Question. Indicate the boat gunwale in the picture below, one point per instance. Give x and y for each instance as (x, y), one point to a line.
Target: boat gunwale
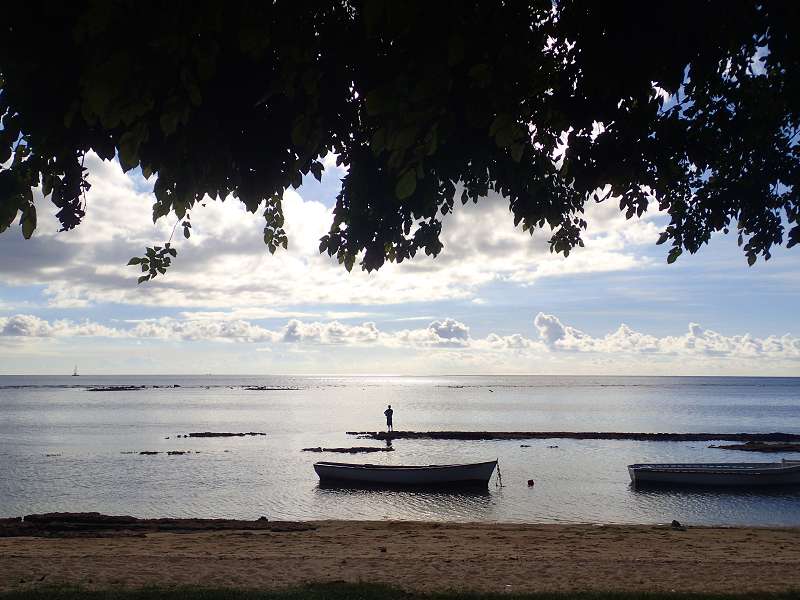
(716, 468)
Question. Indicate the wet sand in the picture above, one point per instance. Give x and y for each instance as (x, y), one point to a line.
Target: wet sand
(414, 556)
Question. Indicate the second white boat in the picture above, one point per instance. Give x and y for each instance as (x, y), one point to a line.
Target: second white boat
(786, 472)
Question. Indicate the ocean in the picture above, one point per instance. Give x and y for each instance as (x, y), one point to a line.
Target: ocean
(66, 448)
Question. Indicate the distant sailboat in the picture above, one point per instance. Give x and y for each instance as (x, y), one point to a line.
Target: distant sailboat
(75, 372)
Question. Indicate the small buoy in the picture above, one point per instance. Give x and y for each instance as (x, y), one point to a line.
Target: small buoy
(530, 482)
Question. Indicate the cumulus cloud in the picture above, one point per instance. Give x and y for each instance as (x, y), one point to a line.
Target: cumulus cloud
(194, 330)
(443, 334)
(697, 341)
(515, 341)
(329, 333)
(443, 345)
(32, 326)
(554, 337)
(225, 257)
(450, 329)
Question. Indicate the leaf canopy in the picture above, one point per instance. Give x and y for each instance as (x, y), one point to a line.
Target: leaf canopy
(690, 107)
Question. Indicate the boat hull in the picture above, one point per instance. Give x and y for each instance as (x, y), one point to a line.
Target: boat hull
(716, 474)
(468, 475)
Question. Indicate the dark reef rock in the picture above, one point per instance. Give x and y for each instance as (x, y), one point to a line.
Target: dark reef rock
(86, 518)
(676, 525)
(758, 446)
(267, 388)
(353, 450)
(116, 388)
(97, 524)
(576, 435)
(129, 388)
(209, 434)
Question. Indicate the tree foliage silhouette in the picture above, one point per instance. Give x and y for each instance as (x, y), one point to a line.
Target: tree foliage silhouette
(690, 107)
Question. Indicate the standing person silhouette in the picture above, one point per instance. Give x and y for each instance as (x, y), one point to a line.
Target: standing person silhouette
(389, 412)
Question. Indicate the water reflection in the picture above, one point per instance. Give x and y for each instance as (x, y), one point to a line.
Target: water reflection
(409, 503)
(715, 491)
(66, 449)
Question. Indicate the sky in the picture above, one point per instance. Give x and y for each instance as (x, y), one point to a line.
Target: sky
(495, 301)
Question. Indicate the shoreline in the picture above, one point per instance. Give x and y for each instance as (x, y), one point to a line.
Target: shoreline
(114, 552)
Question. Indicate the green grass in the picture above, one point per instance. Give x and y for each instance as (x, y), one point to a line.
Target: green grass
(347, 592)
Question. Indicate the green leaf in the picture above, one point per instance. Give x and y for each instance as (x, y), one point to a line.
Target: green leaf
(406, 185)
(405, 138)
(135, 261)
(376, 102)
(28, 221)
(316, 169)
(129, 147)
(432, 141)
(142, 279)
(455, 50)
(300, 131)
(47, 184)
(169, 122)
(674, 254)
(378, 142)
(194, 93)
(296, 182)
(662, 238)
(482, 74)
(506, 136)
(501, 121)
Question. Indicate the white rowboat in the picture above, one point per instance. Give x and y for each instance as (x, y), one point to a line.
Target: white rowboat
(786, 472)
(476, 474)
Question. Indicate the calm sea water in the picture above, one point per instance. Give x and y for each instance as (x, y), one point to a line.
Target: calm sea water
(64, 448)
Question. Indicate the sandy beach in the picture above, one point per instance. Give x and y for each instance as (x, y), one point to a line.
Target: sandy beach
(415, 556)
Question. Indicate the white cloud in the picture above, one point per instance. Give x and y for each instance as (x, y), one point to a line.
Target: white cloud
(447, 333)
(225, 257)
(329, 333)
(203, 329)
(697, 341)
(553, 336)
(444, 344)
(32, 326)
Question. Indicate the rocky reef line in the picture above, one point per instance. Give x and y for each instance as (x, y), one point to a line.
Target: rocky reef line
(576, 435)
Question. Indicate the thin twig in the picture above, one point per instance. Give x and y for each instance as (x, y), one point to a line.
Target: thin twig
(174, 227)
